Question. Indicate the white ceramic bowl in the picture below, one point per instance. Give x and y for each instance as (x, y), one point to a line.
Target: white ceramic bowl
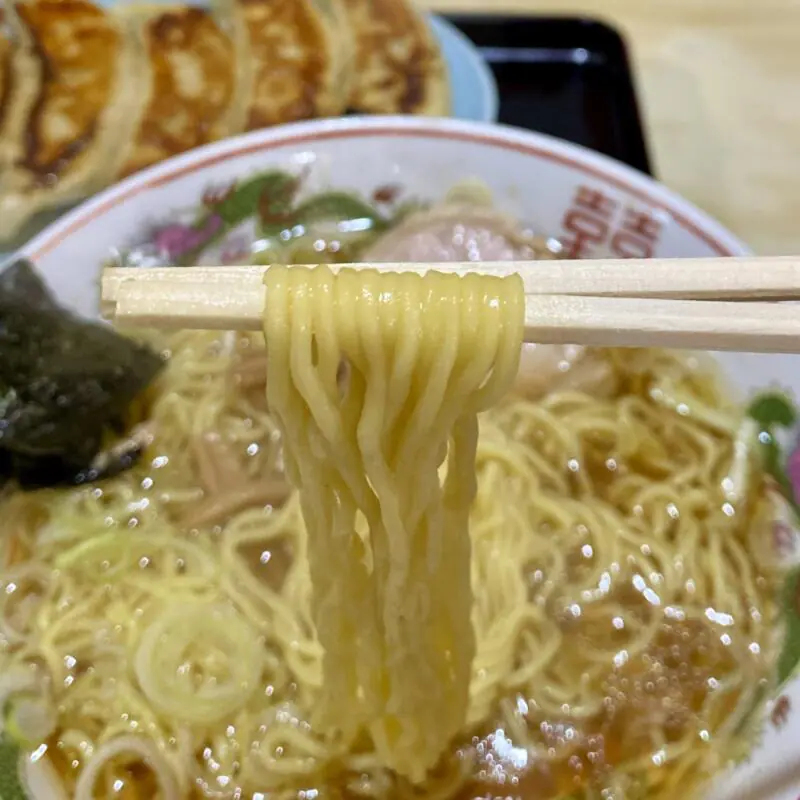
(594, 205)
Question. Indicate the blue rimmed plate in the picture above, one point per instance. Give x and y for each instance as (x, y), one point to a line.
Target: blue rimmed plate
(472, 84)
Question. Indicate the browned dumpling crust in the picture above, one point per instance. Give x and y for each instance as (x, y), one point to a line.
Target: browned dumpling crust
(69, 111)
(399, 68)
(297, 60)
(5, 69)
(78, 47)
(193, 74)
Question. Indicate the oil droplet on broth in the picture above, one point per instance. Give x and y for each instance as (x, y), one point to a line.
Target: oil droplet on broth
(651, 699)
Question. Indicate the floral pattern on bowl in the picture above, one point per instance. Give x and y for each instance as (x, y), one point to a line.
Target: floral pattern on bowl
(258, 218)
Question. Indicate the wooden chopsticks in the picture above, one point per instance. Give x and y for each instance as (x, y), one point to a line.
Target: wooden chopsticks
(717, 304)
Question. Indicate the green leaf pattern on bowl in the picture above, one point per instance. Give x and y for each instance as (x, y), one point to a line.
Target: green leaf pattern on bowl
(776, 416)
(256, 219)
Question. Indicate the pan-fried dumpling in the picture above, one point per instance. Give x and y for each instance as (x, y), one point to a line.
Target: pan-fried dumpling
(6, 54)
(194, 81)
(399, 68)
(63, 139)
(299, 58)
(336, 18)
(19, 86)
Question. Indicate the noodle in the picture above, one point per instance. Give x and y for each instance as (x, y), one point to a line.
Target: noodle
(391, 604)
(616, 638)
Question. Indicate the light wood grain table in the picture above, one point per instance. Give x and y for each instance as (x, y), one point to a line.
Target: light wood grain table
(719, 82)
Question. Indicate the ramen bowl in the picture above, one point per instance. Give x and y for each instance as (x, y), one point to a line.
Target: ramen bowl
(212, 205)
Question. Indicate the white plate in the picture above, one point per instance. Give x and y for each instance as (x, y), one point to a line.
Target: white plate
(591, 203)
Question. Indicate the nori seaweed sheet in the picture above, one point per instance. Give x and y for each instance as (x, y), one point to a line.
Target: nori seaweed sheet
(65, 383)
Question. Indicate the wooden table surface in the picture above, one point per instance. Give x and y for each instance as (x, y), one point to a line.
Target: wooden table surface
(719, 82)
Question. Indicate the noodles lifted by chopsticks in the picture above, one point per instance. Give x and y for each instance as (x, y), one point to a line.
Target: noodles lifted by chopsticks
(376, 380)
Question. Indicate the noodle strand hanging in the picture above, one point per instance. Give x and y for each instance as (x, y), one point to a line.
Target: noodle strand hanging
(377, 380)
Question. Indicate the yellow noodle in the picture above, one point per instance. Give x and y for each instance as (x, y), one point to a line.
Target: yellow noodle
(423, 356)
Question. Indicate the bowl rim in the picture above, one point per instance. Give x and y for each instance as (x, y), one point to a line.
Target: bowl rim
(572, 156)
